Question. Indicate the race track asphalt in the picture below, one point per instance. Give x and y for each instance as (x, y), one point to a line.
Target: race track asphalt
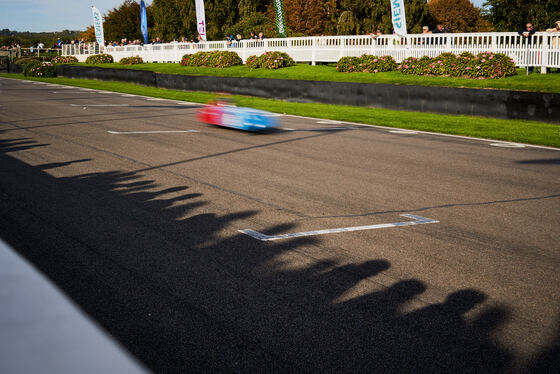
(141, 230)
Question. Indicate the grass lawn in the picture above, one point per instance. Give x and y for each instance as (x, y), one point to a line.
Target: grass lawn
(509, 130)
(534, 82)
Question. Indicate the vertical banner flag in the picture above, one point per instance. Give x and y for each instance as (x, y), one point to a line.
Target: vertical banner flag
(200, 18)
(143, 21)
(98, 26)
(280, 24)
(399, 19)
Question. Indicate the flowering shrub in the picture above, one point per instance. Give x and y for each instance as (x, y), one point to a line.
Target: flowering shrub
(493, 65)
(225, 59)
(185, 60)
(348, 65)
(411, 65)
(252, 62)
(131, 60)
(375, 64)
(366, 63)
(40, 69)
(215, 59)
(466, 65)
(272, 60)
(64, 60)
(99, 59)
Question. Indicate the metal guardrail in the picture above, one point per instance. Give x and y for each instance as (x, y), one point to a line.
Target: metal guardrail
(541, 50)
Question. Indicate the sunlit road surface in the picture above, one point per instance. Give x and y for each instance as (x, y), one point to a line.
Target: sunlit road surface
(134, 210)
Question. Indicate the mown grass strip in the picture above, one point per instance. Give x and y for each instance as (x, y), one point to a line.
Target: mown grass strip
(534, 82)
(529, 132)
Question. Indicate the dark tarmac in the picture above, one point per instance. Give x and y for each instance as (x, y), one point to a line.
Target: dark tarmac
(141, 230)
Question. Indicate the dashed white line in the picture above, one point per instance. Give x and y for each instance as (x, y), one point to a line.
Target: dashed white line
(98, 105)
(508, 145)
(149, 132)
(403, 132)
(263, 237)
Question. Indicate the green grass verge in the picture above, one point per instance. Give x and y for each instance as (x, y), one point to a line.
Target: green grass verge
(534, 82)
(529, 132)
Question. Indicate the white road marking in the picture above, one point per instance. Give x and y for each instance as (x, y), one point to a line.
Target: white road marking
(329, 122)
(148, 132)
(87, 105)
(156, 99)
(186, 103)
(417, 221)
(69, 91)
(397, 128)
(127, 95)
(508, 145)
(432, 133)
(289, 129)
(403, 132)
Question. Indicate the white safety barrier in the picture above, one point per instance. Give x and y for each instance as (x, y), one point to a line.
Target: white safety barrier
(542, 49)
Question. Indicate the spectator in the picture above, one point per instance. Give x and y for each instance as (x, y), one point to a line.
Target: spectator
(238, 38)
(376, 34)
(261, 36)
(253, 36)
(527, 33)
(426, 30)
(230, 39)
(556, 28)
(440, 29)
(554, 40)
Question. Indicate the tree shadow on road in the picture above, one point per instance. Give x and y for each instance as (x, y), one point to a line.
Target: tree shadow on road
(184, 292)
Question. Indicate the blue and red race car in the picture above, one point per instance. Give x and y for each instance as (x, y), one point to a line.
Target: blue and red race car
(223, 113)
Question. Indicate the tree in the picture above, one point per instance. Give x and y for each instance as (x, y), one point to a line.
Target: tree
(457, 15)
(307, 17)
(88, 35)
(124, 21)
(512, 15)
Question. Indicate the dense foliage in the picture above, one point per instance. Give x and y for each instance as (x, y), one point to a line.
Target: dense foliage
(466, 65)
(40, 69)
(270, 60)
(457, 15)
(124, 22)
(366, 64)
(27, 39)
(512, 15)
(26, 60)
(131, 60)
(64, 60)
(99, 59)
(215, 59)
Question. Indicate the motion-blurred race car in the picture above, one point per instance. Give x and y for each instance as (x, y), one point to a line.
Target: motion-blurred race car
(224, 113)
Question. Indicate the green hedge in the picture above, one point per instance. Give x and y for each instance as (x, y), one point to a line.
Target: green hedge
(131, 60)
(366, 64)
(40, 69)
(270, 60)
(485, 65)
(214, 59)
(99, 59)
(64, 60)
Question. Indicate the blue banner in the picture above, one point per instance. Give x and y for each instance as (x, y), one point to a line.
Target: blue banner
(143, 21)
(98, 25)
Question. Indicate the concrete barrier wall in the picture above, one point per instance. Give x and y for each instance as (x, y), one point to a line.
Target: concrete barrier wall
(445, 100)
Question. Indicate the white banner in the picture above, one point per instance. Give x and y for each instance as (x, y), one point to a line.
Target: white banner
(200, 19)
(399, 18)
(98, 26)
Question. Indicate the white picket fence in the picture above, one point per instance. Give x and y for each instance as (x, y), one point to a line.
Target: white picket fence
(541, 50)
